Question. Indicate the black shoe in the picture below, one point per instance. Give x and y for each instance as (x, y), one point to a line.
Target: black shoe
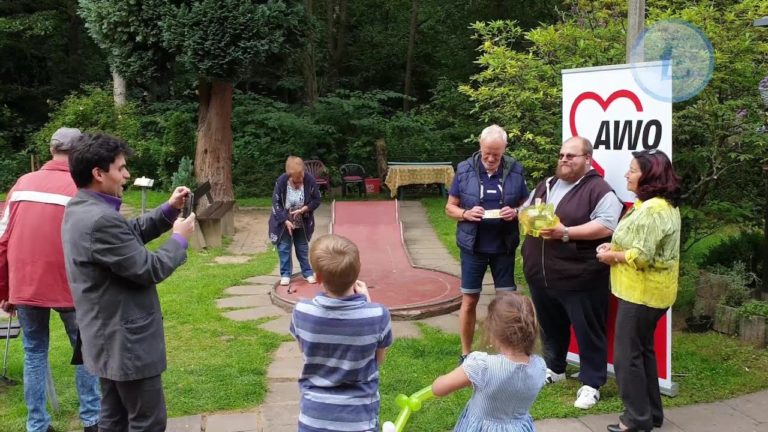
(462, 358)
(50, 429)
(92, 428)
(617, 428)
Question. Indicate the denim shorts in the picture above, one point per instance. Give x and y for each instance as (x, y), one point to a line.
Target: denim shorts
(473, 266)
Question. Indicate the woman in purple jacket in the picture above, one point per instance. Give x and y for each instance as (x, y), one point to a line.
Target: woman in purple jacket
(292, 222)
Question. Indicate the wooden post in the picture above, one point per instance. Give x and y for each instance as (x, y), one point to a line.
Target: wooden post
(636, 18)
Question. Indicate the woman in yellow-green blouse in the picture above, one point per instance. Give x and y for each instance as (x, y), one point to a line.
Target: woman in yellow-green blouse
(644, 256)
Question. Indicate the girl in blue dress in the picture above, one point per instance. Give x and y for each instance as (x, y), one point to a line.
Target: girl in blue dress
(506, 384)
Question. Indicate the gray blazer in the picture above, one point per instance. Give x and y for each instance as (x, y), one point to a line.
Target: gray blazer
(113, 276)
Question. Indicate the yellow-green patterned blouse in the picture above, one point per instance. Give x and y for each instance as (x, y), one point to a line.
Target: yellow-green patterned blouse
(649, 235)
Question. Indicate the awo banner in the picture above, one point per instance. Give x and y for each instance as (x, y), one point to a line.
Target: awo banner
(607, 106)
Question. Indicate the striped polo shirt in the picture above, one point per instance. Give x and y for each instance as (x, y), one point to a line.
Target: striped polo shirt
(340, 380)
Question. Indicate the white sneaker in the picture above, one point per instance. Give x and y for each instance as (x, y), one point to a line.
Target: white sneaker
(586, 397)
(554, 377)
(311, 279)
(285, 281)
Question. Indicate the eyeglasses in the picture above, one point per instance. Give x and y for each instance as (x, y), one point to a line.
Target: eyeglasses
(568, 156)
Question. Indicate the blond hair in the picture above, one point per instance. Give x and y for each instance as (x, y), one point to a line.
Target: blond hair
(336, 260)
(512, 322)
(294, 165)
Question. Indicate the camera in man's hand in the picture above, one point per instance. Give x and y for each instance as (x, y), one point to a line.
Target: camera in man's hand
(189, 205)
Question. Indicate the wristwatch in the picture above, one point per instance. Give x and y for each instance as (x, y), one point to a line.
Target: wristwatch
(566, 237)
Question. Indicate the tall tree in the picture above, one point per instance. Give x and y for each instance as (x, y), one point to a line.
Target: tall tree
(336, 27)
(131, 35)
(409, 55)
(45, 55)
(219, 40)
(309, 58)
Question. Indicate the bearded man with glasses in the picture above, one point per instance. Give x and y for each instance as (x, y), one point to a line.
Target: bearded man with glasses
(569, 286)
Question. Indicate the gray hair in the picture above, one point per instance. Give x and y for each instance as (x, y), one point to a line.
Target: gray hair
(494, 131)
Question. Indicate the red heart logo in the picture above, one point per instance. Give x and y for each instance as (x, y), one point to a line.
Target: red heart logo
(618, 94)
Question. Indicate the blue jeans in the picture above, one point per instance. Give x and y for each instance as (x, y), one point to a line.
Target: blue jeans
(473, 266)
(299, 241)
(35, 335)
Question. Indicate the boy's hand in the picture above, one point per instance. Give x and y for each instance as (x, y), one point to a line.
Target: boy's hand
(361, 288)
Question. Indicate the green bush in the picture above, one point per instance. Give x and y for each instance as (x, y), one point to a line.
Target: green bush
(168, 134)
(160, 134)
(264, 133)
(686, 294)
(12, 166)
(739, 280)
(745, 247)
(92, 110)
(185, 175)
(754, 308)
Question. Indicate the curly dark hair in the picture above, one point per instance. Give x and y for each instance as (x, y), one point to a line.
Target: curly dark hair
(512, 322)
(658, 177)
(94, 151)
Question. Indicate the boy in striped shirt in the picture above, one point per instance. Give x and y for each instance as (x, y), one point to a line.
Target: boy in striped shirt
(343, 337)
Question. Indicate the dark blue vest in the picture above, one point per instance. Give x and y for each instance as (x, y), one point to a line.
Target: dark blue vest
(468, 177)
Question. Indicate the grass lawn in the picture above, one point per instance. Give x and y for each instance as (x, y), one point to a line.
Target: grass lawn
(214, 364)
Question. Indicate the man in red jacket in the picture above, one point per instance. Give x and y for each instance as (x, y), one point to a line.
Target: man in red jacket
(33, 280)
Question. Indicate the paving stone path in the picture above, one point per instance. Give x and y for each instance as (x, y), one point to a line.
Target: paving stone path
(279, 412)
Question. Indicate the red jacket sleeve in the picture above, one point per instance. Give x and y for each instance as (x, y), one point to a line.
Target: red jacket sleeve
(4, 289)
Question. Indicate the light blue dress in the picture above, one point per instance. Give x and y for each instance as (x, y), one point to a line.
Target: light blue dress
(503, 393)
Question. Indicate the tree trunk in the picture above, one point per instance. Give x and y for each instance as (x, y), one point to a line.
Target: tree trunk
(341, 37)
(213, 158)
(636, 21)
(308, 64)
(336, 11)
(409, 56)
(74, 59)
(119, 89)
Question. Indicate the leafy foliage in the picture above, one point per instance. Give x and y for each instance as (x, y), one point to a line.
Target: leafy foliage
(739, 280)
(185, 175)
(46, 54)
(224, 39)
(718, 149)
(754, 308)
(92, 110)
(745, 248)
(130, 32)
(160, 135)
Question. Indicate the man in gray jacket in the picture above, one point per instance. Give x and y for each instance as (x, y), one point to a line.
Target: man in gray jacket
(113, 276)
